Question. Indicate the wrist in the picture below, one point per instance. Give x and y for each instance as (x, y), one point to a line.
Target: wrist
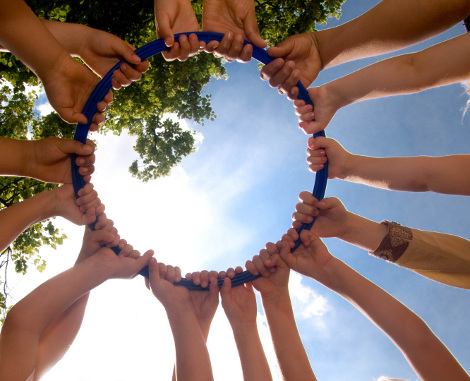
(350, 165)
(363, 232)
(278, 299)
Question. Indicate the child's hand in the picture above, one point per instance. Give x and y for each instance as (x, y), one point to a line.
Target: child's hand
(68, 85)
(274, 271)
(310, 258)
(237, 20)
(177, 16)
(297, 59)
(49, 159)
(331, 215)
(322, 149)
(326, 105)
(239, 303)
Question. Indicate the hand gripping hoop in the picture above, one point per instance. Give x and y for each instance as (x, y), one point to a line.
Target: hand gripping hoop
(149, 50)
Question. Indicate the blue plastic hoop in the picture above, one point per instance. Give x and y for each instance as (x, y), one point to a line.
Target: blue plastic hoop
(149, 50)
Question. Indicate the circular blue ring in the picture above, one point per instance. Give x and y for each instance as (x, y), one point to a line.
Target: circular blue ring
(149, 50)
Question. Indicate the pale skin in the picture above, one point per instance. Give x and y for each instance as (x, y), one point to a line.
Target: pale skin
(389, 26)
(445, 174)
(239, 304)
(273, 287)
(192, 357)
(403, 74)
(427, 355)
(204, 303)
(40, 328)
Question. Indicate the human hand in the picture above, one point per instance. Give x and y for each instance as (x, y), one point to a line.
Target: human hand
(321, 150)
(326, 105)
(310, 258)
(177, 16)
(274, 271)
(297, 59)
(101, 51)
(104, 235)
(331, 215)
(49, 159)
(125, 265)
(160, 282)
(81, 211)
(205, 305)
(68, 85)
(237, 20)
(239, 303)
(230, 272)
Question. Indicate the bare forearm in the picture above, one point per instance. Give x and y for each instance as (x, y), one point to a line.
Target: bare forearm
(13, 157)
(24, 35)
(446, 174)
(405, 74)
(253, 360)
(59, 336)
(22, 215)
(290, 352)
(425, 352)
(192, 357)
(389, 26)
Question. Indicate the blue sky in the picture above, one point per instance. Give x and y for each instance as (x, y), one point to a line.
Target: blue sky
(238, 192)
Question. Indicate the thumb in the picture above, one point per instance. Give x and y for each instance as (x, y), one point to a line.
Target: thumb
(154, 273)
(164, 28)
(252, 33)
(126, 51)
(282, 49)
(286, 255)
(74, 146)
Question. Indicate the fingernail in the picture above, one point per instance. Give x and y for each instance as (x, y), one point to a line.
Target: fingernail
(87, 148)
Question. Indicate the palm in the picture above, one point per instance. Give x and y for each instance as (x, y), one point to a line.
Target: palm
(69, 91)
(275, 282)
(324, 109)
(204, 305)
(227, 16)
(51, 163)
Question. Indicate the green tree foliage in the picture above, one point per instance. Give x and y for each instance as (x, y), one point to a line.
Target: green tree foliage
(142, 108)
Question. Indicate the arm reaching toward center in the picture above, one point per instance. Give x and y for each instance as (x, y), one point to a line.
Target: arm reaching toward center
(444, 174)
(389, 26)
(428, 356)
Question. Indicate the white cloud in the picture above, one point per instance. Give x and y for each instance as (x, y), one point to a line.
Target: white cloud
(307, 303)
